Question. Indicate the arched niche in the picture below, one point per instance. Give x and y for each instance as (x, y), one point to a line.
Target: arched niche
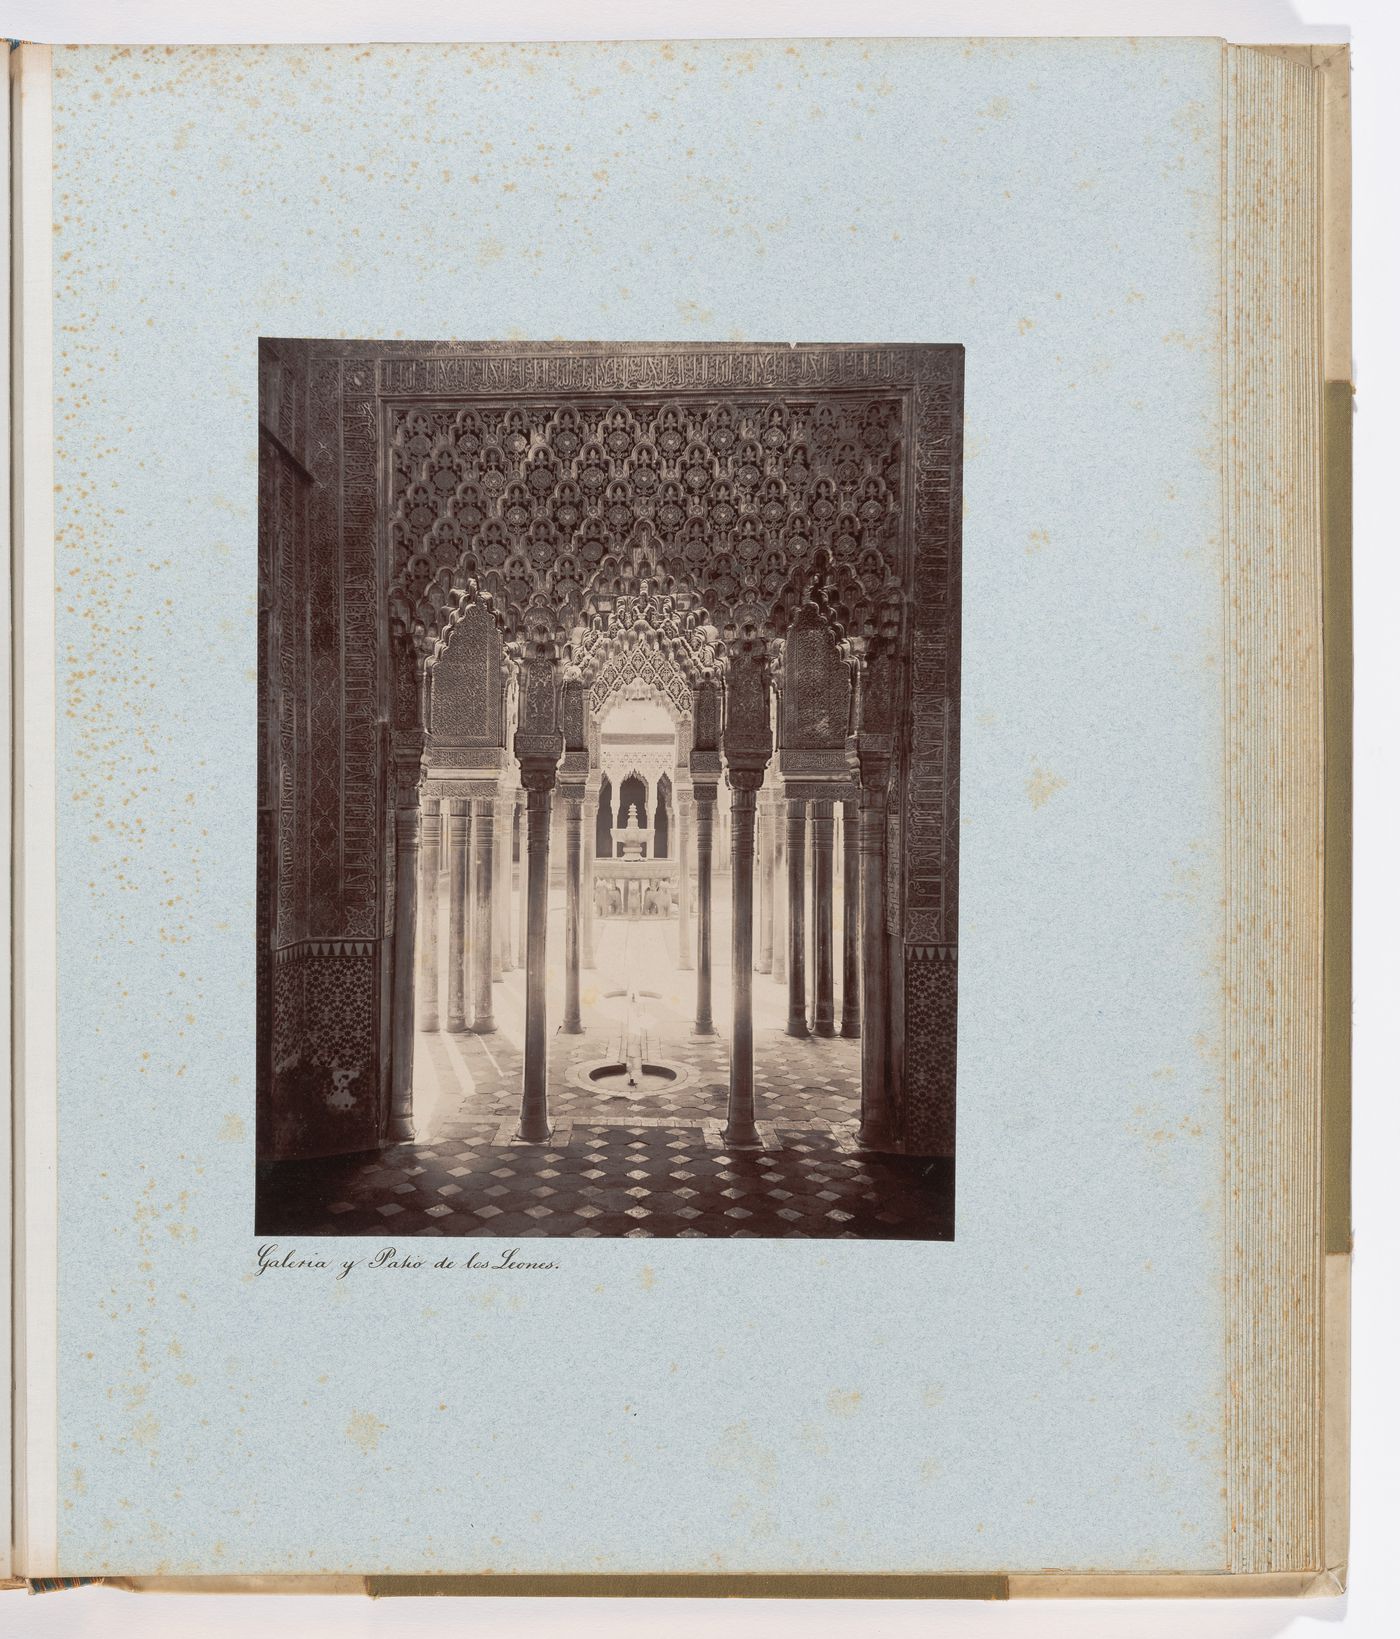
(632, 793)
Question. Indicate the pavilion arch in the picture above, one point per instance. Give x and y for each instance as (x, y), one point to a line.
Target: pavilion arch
(589, 501)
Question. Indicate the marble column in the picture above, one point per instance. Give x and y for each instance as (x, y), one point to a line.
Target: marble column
(704, 831)
(429, 862)
(810, 923)
(780, 892)
(586, 886)
(500, 890)
(458, 894)
(739, 1130)
(534, 1096)
(683, 961)
(765, 829)
(823, 828)
(850, 918)
(797, 918)
(406, 835)
(484, 847)
(874, 1091)
(573, 872)
(521, 901)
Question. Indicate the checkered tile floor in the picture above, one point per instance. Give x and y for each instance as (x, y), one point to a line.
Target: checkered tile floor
(653, 1166)
(613, 1180)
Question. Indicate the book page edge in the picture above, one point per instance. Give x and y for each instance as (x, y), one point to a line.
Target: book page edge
(34, 885)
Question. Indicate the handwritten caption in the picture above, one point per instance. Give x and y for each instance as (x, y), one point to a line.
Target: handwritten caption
(272, 1257)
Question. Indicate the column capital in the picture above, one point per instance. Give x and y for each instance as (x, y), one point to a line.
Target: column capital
(409, 776)
(539, 756)
(573, 765)
(869, 757)
(705, 766)
(706, 791)
(571, 789)
(747, 766)
(829, 791)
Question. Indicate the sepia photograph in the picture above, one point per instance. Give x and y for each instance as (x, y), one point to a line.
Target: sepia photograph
(608, 803)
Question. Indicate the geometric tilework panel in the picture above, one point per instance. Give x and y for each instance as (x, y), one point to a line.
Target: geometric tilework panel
(931, 1012)
(325, 1063)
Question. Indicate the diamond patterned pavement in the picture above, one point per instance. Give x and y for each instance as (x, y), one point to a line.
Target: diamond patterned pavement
(613, 1180)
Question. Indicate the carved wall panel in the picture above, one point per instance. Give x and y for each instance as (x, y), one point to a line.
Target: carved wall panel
(467, 698)
(324, 703)
(321, 674)
(362, 661)
(817, 697)
(747, 718)
(741, 503)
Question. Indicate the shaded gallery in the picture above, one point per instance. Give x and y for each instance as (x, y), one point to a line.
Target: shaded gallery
(607, 846)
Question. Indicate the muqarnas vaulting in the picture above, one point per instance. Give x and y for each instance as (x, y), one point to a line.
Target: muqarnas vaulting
(608, 789)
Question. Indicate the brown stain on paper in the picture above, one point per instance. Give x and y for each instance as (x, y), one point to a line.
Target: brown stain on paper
(363, 1430)
(1042, 785)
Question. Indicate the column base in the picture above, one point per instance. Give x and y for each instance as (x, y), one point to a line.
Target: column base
(429, 1026)
(824, 1027)
(699, 1029)
(567, 1029)
(543, 1137)
(484, 1027)
(850, 1031)
(400, 1130)
(458, 1027)
(741, 1138)
(798, 1028)
(873, 1136)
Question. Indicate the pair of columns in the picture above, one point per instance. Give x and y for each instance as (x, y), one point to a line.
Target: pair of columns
(475, 837)
(823, 827)
(489, 912)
